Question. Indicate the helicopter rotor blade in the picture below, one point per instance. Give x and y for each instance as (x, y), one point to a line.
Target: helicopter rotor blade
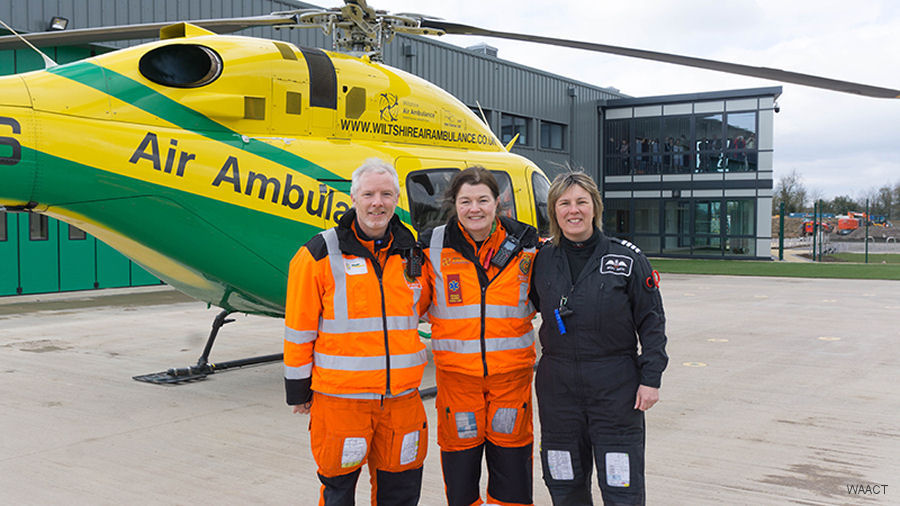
(140, 31)
(731, 68)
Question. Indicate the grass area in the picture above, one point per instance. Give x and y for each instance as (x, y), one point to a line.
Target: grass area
(874, 258)
(780, 269)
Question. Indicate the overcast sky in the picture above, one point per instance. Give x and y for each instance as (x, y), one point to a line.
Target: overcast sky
(841, 144)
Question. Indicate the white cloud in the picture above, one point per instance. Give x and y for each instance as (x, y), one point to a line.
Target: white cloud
(842, 144)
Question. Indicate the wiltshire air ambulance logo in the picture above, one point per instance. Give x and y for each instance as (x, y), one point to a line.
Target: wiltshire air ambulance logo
(616, 264)
(387, 104)
(454, 289)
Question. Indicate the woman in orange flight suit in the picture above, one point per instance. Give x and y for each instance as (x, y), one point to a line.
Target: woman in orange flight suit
(479, 265)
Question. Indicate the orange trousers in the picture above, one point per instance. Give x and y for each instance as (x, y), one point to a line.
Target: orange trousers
(390, 435)
(490, 415)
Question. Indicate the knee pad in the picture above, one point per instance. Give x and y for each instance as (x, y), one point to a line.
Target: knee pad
(510, 473)
(398, 489)
(339, 490)
(462, 475)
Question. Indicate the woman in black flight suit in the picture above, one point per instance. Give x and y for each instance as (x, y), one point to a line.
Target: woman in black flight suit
(598, 298)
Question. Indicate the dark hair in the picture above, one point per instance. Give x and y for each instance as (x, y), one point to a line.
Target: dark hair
(474, 175)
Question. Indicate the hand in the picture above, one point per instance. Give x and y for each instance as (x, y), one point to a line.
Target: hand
(646, 397)
(302, 409)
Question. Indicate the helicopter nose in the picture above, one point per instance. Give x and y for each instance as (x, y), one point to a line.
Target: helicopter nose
(17, 169)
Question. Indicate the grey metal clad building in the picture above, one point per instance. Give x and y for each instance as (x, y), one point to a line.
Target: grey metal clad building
(682, 175)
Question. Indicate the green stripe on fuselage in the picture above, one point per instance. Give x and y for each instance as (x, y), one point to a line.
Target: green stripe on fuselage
(161, 106)
(239, 251)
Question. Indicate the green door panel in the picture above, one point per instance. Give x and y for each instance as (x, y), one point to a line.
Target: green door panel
(113, 269)
(77, 260)
(39, 253)
(9, 253)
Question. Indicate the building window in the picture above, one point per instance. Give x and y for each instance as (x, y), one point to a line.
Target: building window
(511, 125)
(426, 189)
(677, 153)
(541, 187)
(76, 234)
(3, 231)
(709, 144)
(739, 227)
(38, 227)
(618, 147)
(617, 218)
(645, 145)
(677, 227)
(553, 135)
(740, 131)
(507, 203)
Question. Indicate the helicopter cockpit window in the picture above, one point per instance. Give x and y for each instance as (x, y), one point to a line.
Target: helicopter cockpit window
(426, 189)
(506, 198)
(181, 65)
(541, 187)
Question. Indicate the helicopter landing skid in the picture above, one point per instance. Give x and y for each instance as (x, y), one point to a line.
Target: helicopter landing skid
(203, 368)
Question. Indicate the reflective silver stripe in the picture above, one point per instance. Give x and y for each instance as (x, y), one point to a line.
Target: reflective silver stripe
(417, 294)
(371, 396)
(373, 324)
(336, 259)
(299, 336)
(442, 311)
(435, 250)
(297, 373)
(490, 344)
(377, 363)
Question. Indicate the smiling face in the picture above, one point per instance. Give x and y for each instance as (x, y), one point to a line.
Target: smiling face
(476, 208)
(575, 214)
(374, 200)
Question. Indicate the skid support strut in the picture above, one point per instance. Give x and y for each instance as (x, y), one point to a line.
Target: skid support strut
(204, 368)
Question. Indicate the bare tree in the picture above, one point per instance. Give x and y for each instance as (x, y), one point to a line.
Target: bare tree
(792, 192)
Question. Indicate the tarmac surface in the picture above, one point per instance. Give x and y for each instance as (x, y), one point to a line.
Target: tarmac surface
(778, 391)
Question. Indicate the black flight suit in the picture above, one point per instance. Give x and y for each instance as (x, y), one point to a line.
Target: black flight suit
(588, 377)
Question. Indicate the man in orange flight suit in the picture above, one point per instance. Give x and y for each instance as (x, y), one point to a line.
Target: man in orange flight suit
(352, 354)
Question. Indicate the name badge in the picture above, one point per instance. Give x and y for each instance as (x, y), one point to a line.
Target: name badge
(353, 266)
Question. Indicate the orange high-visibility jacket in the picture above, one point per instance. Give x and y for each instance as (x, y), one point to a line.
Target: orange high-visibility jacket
(480, 318)
(351, 322)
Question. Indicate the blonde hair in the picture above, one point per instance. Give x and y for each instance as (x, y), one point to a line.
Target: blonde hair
(560, 184)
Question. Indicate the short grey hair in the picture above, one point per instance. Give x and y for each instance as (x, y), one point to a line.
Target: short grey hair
(374, 166)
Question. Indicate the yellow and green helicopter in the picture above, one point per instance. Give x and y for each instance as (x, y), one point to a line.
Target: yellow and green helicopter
(209, 159)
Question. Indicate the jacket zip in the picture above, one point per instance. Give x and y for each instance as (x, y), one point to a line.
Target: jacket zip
(387, 346)
(483, 343)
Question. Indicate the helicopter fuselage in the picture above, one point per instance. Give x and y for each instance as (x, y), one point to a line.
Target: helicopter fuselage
(211, 172)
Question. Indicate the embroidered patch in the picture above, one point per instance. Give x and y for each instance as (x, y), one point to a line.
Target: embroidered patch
(618, 470)
(409, 449)
(525, 264)
(354, 451)
(560, 464)
(616, 264)
(466, 427)
(454, 289)
(504, 420)
(355, 265)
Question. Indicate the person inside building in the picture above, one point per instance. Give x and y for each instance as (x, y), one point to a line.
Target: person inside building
(352, 354)
(599, 298)
(479, 265)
